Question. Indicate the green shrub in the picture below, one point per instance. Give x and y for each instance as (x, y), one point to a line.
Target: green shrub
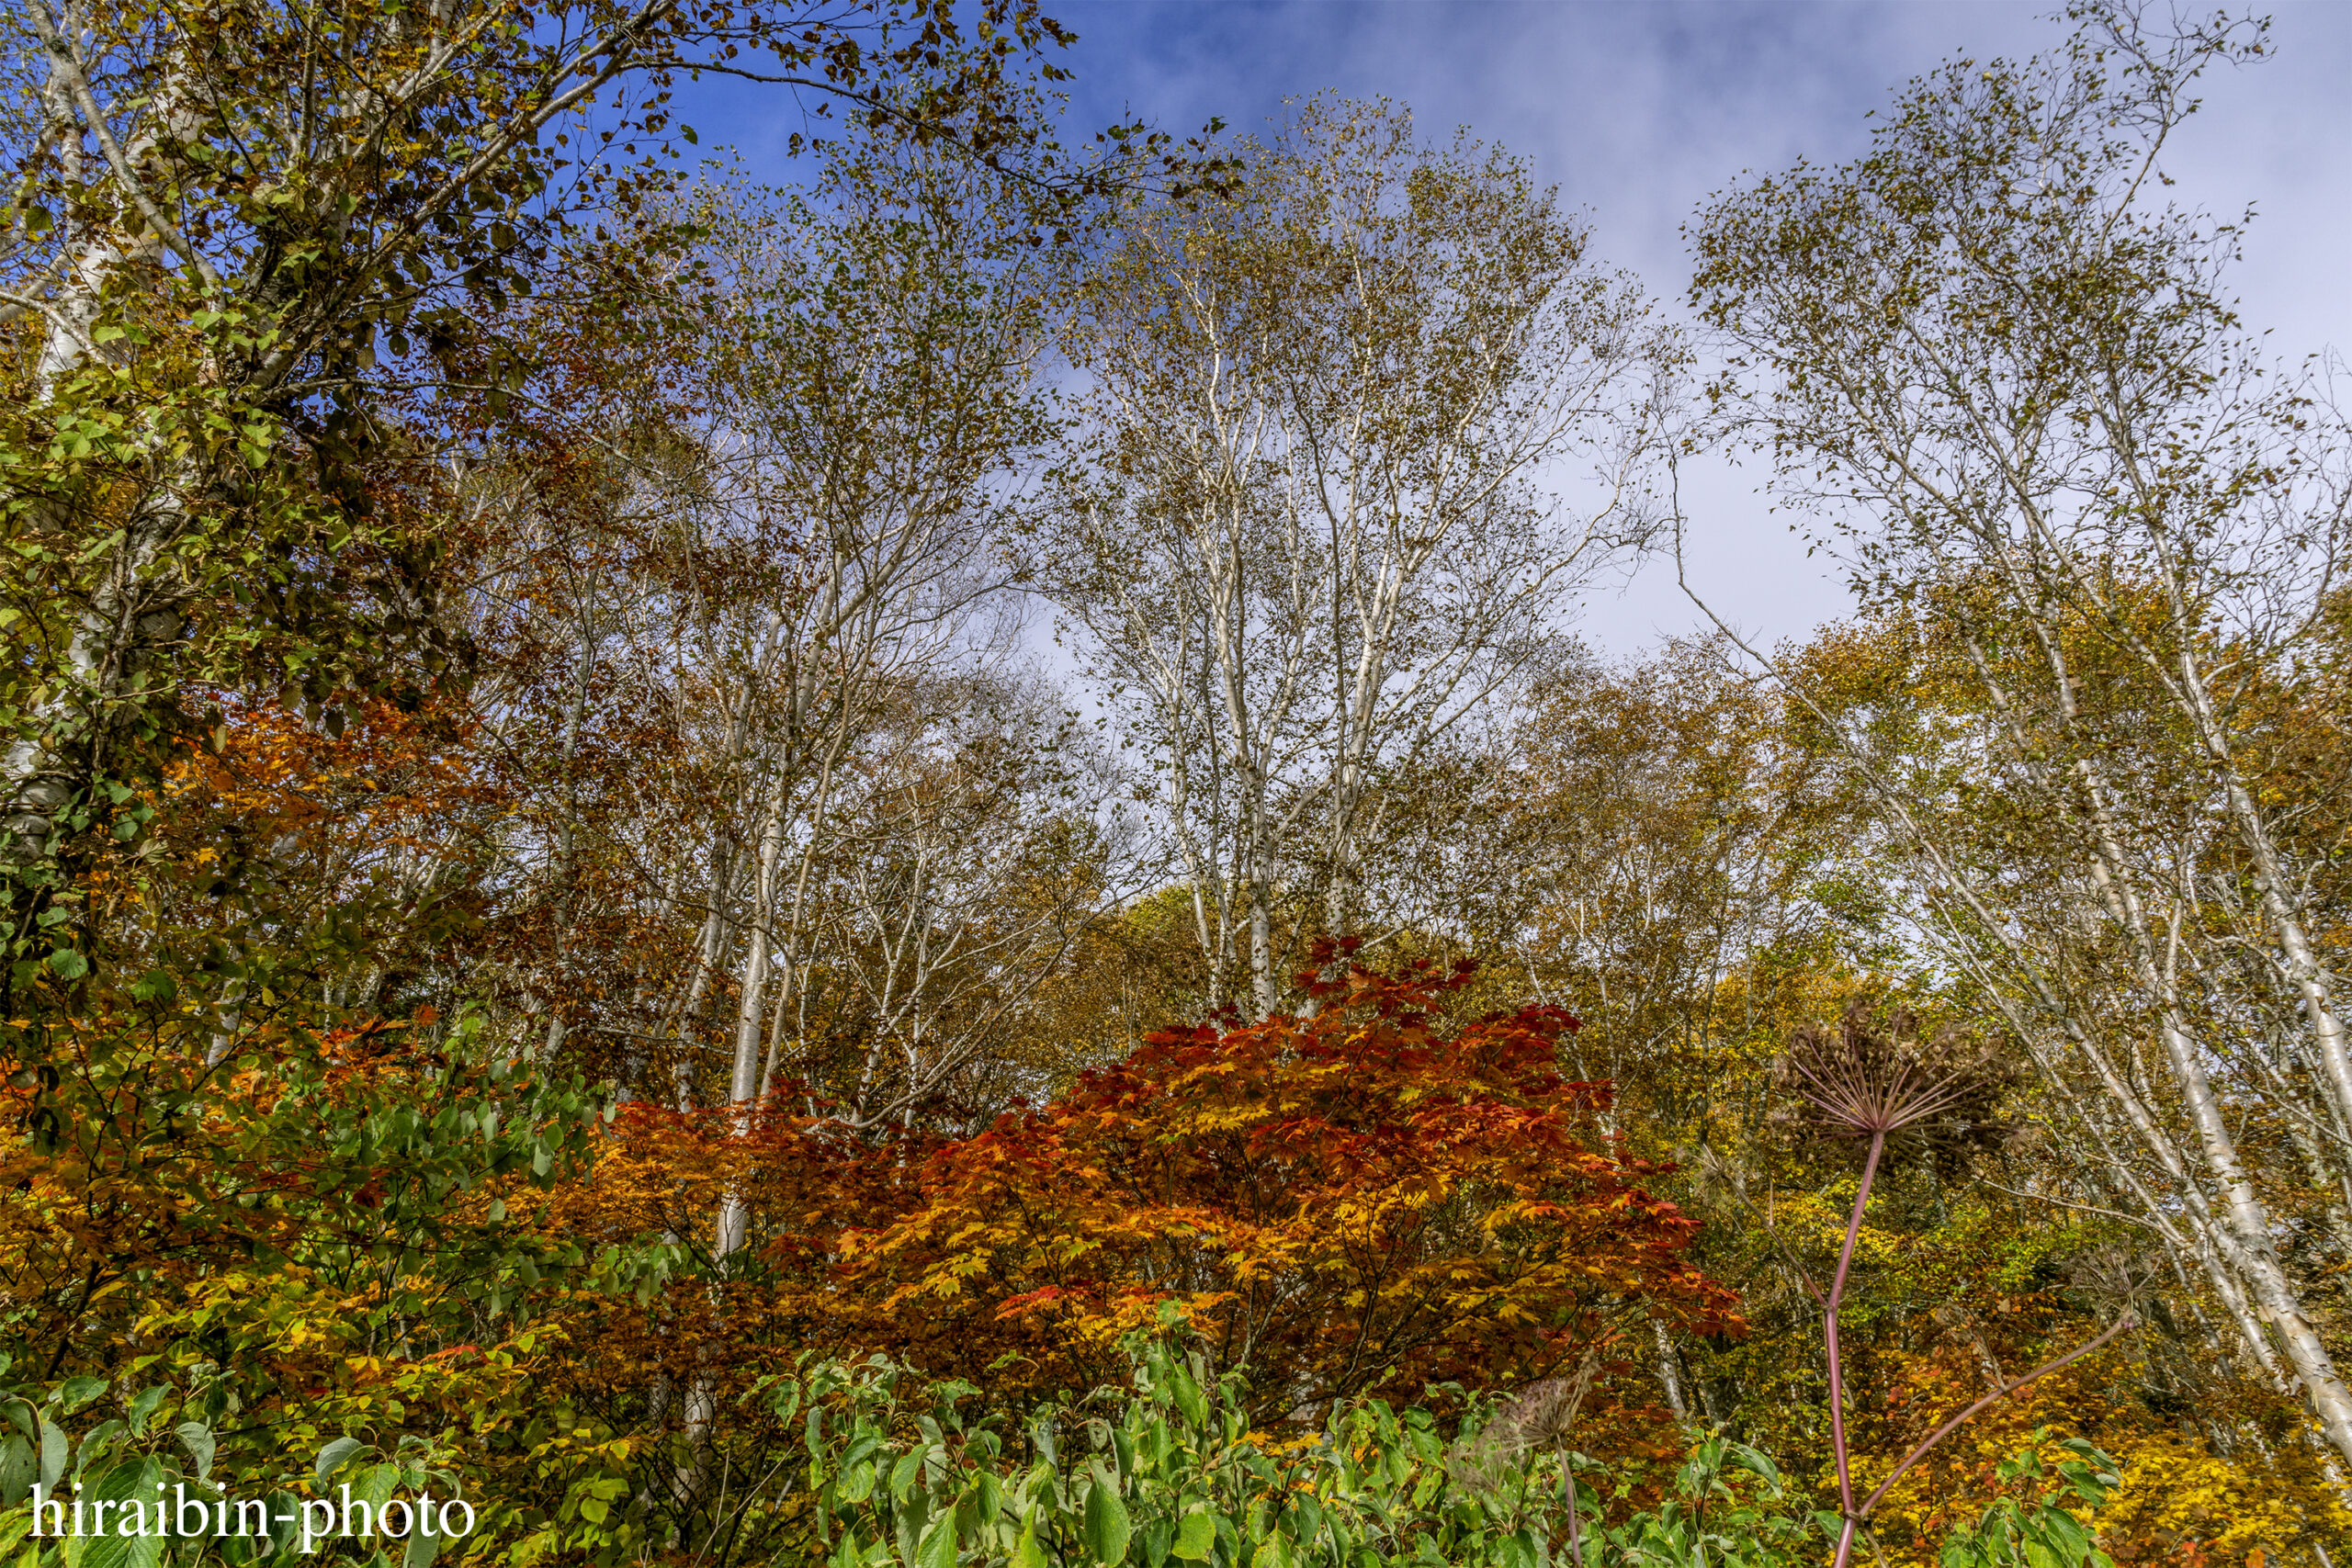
(887, 1471)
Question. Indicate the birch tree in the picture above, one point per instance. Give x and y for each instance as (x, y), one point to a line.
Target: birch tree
(2006, 372)
(1311, 520)
(973, 851)
(881, 401)
(866, 348)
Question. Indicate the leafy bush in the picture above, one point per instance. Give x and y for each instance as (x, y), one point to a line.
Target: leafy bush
(887, 1472)
(1172, 1474)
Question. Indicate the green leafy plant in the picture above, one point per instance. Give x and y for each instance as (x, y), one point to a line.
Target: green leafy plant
(132, 1458)
(1169, 1472)
(2030, 1526)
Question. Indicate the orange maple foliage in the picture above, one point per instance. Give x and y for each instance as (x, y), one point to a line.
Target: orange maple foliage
(1346, 1203)
(1355, 1202)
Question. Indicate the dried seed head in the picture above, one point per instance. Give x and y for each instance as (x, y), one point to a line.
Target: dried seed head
(1541, 1414)
(1934, 1098)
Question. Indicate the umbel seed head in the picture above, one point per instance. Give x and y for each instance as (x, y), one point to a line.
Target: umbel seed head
(1852, 1082)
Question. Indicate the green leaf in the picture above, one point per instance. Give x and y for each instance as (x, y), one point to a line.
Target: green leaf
(197, 1438)
(1189, 1400)
(1104, 1527)
(2068, 1540)
(914, 1515)
(938, 1547)
(131, 1482)
(375, 1486)
(145, 1406)
(331, 1457)
(1739, 1456)
(53, 1454)
(1194, 1536)
(422, 1548)
(18, 1470)
(75, 1392)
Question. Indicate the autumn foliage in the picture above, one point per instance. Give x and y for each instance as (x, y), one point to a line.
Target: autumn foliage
(561, 926)
(1351, 1202)
(1359, 1201)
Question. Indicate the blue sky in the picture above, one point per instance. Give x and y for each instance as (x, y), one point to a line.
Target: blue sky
(1638, 110)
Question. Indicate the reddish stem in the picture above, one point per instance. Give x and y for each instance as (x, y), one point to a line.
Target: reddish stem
(1945, 1430)
(1576, 1534)
(1837, 1362)
(1855, 1516)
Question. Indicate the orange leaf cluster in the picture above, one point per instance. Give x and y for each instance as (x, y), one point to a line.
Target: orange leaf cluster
(1352, 1202)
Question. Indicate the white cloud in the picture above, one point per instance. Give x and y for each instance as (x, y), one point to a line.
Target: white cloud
(1638, 111)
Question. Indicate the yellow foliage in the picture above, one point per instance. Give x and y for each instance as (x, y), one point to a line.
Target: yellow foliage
(2175, 1489)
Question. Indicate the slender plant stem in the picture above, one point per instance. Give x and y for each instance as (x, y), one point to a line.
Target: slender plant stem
(1945, 1430)
(1576, 1532)
(1585, 1370)
(1837, 1362)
